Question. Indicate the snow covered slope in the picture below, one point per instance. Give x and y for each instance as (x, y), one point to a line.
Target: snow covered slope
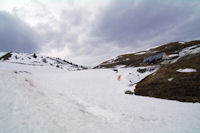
(38, 60)
(45, 99)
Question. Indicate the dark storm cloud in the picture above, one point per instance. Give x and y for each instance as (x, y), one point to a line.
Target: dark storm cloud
(89, 36)
(154, 21)
(16, 35)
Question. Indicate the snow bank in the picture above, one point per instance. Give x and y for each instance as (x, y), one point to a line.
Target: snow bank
(140, 53)
(170, 79)
(186, 70)
(182, 42)
(188, 51)
(173, 55)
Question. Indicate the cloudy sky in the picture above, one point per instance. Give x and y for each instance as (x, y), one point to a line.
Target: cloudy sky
(88, 32)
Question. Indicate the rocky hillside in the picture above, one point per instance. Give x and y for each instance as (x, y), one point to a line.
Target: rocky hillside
(179, 80)
(178, 71)
(136, 59)
(38, 60)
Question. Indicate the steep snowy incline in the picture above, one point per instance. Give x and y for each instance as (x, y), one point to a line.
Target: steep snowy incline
(44, 99)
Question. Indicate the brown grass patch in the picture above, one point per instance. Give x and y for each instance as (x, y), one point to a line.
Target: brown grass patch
(136, 60)
(184, 87)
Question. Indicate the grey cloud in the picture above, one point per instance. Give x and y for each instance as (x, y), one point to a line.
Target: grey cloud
(120, 27)
(74, 17)
(16, 35)
(66, 30)
(129, 22)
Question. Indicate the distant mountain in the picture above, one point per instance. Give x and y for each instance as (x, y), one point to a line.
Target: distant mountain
(38, 60)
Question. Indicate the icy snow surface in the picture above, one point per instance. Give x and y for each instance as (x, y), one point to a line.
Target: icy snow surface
(170, 79)
(173, 55)
(37, 99)
(186, 70)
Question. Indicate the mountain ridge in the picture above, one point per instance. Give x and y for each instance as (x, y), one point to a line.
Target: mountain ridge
(39, 60)
(136, 59)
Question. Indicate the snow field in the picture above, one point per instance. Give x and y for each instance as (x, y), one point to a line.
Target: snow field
(44, 99)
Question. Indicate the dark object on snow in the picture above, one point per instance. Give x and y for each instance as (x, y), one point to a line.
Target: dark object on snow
(140, 70)
(57, 66)
(17, 72)
(153, 59)
(34, 55)
(115, 70)
(44, 60)
(143, 70)
(129, 92)
(6, 56)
